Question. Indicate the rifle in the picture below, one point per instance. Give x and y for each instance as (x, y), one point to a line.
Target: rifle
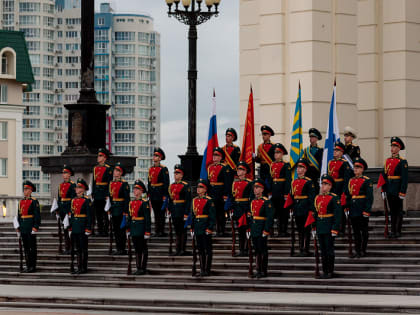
(293, 236)
(60, 236)
(71, 255)
(250, 258)
(171, 237)
(233, 236)
(130, 255)
(194, 267)
(20, 254)
(386, 216)
(316, 257)
(110, 234)
(350, 237)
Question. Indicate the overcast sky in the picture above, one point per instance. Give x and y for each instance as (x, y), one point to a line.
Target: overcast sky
(218, 67)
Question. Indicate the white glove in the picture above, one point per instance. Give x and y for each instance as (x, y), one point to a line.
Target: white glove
(264, 235)
(57, 216)
(109, 216)
(291, 214)
(402, 197)
(207, 233)
(248, 234)
(333, 234)
(383, 194)
(313, 234)
(18, 234)
(168, 215)
(192, 233)
(69, 233)
(346, 213)
(87, 233)
(146, 237)
(365, 216)
(127, 233)
(33, 232)
(270, 196)
(254, 155)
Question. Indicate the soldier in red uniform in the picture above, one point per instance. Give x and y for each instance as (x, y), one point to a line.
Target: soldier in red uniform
(102, 176)
(220, 185)
(339, 169)
(394, 181)
(280, 182)
(265, 153)
(179, 208)
(66, 192)
(157, 188)
(241, 192)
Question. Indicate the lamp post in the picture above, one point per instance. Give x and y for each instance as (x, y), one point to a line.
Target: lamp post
(192, 14)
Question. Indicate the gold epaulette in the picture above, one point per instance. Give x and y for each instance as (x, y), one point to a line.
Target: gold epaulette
(184, 182)
(208, 197)
(307, 178)
(365, 177)
(332, 194)
(145, 199)
(33, 198)
(265, 198)
(107, 165)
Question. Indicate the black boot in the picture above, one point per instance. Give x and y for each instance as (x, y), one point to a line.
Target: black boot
(307, 244)
(393, 226)
(259, 266)
(178, 247)
(363, 247)
(138, 263)
(208, 264)
(331, 260)
(144, 259)
(202, 265)
(264, 265)
(301, 245)
(325, 268)
(398, 225)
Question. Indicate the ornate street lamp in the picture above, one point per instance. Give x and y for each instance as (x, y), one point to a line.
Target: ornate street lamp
(192, 14)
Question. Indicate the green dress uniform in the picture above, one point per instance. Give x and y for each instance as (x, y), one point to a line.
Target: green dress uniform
(359, 194)
(180, 206)
(157, 187)
(203, 221)
(314, 154)
(80, 227)
(302, 194)
(241, 192)
(66, 192)
(119, 194)
(220, 186)
(139, 226)
(327, 221)
(395, 179)
(29, 219)
(102, 176)
(280, 182)
(261, 222)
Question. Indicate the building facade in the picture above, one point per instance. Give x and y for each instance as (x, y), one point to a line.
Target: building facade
(127, 77)
(52, 32)
(370, 47)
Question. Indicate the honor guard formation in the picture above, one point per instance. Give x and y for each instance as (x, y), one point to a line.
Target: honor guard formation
(318, 207)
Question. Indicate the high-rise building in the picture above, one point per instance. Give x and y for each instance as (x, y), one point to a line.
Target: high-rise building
(126, 72)
(127, 77)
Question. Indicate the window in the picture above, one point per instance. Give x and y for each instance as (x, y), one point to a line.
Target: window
(124, 125)
(144, 75)
(145, 88)
(48, 136)
(72, 59)
(3, 130)
(3, 167)
(49, 111)
(101, 35)
(3, 94)
(48, 149)
(48, 21)
(124, 150)
(72, 85)
(29, 7)
(144, 151)
(125, 49)
(31, 97)
(125, 61)
(144, 113)
(36, 71)
(125, 87)
(30, 149)
(101, 47)
(31, 110)
(33, 45)
(72, 46)
(48, 8)
(48, 124)
(125, 99)
(31, 123)
(48, 34)
(48, 72)
(144, 62)
(35, 59)
(143, 163)
(72, 34)
(73, 21)
(143, 37)
(31, 136)
(29, 20)
(101, 60)
(144, 138)
(49, 98)
(145, 100)
(31, 32)
(143, 50)
(144, 125)
(124, 137)
(31, 162)
(101, 21)
(47, 85)
(125, 36)
(30, 175)
(125, 74)
(124, 112)
(73, 72)
(8, 5)
(46, 188)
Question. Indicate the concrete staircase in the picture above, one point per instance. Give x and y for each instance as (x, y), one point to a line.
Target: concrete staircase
(392, 268)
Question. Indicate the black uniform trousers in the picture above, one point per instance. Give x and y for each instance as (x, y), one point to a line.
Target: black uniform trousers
(30, 249)
(242, 238)
(101, 216)
(80, 246)
(396, 209)
(159, 217)
(181, 233)
(66, 231)
(261, 253)
(360, 227)
(142, 251)
(304, 233)
(281, 214)
(205, 249)
(119, 233)
(326, 245)
(219, 205)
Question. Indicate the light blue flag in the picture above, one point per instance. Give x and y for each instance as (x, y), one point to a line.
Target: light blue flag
(296, 150)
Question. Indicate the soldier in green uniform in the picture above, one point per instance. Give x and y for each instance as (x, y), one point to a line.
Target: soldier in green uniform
(265, 153)
(261, 221)
(280, 182)
(327, 216)
(203, 221)
(66, 192)
(394, 181)
(232, 151)
(220, 187)
(157, 188)
(119, 194)
(302, 194)
(359, 194)
(179, 208)
(351, 150)
(102, 176)
(313, 154)
(242, 190)
(80, 225)
(339, 169)
(29, 219)
(139, 226)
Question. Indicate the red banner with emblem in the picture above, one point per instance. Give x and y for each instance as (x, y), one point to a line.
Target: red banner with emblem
(248, 141)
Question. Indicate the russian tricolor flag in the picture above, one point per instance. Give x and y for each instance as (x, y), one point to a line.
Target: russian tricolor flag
(212, 141)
